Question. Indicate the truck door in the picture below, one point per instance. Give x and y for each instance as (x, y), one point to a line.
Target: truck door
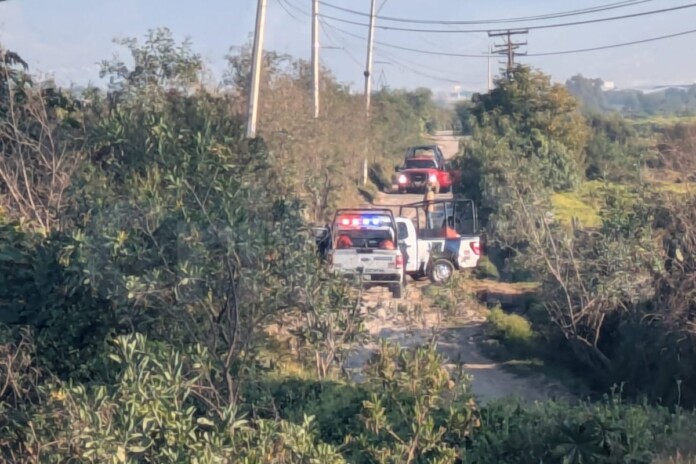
(407, 244)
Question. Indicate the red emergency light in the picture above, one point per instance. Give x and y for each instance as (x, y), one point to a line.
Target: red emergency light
(362, 220)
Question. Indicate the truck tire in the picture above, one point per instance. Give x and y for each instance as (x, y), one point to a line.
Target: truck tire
(446, 189)
(397, 291)
(441, 271)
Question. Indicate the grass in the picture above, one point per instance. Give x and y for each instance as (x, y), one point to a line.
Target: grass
(569, 205)
(585, 202)
(662, 121)
(682, 188)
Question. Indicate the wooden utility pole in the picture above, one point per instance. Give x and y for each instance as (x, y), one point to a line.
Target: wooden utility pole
(315, 55)
(490, 80)
(256, 65)
(368, 65)
(509, 47)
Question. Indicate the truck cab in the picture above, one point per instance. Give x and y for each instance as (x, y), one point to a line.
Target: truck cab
(423, 165)
(438, 244)
(364, 245)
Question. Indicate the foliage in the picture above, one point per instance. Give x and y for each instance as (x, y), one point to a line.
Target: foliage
(158, 63)
(158, 410)
(588, 91)
(149, 249)
(677, 150)
(486, 269)
(614, 151)
(512, 328)
(571, 207)
(417, 412)
(606, 432)
(527, 130)
(43, 290)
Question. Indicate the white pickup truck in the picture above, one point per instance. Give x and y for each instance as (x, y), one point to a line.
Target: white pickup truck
(438, 243)
(433, 244)
(364, 245)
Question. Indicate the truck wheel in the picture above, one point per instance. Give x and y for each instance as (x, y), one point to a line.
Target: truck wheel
(441, 271)
(397, 291)
(446, 189)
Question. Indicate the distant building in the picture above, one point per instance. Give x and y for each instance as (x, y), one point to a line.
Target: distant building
(608, 85)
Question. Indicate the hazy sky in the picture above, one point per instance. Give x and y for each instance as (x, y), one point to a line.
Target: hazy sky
(69, 37)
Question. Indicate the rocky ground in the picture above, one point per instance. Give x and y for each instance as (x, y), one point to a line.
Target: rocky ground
(458, 333)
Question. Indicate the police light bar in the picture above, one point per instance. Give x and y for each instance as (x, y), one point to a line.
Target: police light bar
(363, 221)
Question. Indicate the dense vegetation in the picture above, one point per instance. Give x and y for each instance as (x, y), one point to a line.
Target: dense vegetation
(161, 298)
(616, 297)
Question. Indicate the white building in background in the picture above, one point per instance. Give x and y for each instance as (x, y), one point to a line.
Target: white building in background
(608, 85)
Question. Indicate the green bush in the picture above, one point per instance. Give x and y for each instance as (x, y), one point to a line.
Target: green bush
(511, 328)
(486, 269)
(335, 406)
(45, 287)
(609, 431)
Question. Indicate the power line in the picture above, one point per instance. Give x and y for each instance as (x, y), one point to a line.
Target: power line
(394, 59)
(404, 66)
(610, 6)
(625, 44)
(331, 38)
(542, 26)
(484, 56)
(399, 47)
(298, 9)
(288, 12)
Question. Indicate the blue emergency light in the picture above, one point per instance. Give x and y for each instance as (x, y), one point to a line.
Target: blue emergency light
(361, 220)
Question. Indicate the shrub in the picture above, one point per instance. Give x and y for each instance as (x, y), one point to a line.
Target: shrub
(606, 432)
(486, 269)
(511, 328)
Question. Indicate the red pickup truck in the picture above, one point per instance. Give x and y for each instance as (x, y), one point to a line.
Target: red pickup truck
(418, 170)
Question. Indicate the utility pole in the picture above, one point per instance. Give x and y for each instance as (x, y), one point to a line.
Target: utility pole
(368, 80)
(490, 81)
(315, 55)
(368, 65)
(509, 47)
(256, 65)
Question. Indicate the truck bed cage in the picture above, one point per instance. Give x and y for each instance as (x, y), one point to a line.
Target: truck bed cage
(420, 205)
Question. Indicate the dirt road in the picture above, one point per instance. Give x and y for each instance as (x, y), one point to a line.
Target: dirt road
(449, 144)
(458, 339)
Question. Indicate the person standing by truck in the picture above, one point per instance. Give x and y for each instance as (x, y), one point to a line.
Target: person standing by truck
(429, 198)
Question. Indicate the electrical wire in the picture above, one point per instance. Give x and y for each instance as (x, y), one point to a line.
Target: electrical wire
(288, 12)
(610, 6)
(541, 26)
(333, 40)
(400, 63)
(485, 56)
(422, 74)
(399, 47)
(297, 8)
(625, 44)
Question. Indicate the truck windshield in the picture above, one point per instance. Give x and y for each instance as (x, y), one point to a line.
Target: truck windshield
(420, 164)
